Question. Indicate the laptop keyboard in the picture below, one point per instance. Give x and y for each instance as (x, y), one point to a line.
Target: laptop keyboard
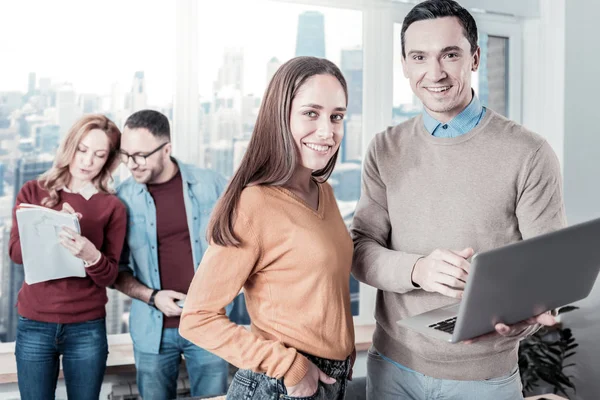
(445, 326)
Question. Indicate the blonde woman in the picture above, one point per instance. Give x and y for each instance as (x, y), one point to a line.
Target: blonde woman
(65, 317)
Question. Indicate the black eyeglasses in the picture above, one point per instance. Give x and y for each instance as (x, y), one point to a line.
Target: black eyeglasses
(139, 159)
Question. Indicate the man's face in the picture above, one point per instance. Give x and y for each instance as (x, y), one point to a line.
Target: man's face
(439, 64)
(140, 141)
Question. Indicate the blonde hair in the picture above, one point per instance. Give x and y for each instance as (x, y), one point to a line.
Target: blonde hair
(59, 176)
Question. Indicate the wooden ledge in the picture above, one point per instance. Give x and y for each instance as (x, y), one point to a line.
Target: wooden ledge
(120, 358)
(120, 354)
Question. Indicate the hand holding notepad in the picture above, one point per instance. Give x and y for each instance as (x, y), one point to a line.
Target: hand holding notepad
(44, 258)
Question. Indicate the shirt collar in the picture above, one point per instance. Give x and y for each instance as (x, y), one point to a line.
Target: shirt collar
(463, 122)
(86, 191)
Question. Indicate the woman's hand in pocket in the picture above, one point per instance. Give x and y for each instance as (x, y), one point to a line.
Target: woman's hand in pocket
(309, 385)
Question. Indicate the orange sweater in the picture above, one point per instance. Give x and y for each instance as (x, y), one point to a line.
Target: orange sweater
(294, 265)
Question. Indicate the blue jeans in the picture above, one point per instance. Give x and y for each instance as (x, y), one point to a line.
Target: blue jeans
(157, 373)
(253, 385)
(387, 381)
(83, 348)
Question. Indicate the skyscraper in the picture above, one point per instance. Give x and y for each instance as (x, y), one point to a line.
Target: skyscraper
(351, 147)
(31, 84)
(226, 115)
(67, 109)
(352, 68)
(47, 137)
(139, 97)
(4, 282)
(90, 103)
(1, 179)
(12, 100)
(272, 66)
(231, 73)
(26, 169)
(239, 149)
(219, 157)
(45, 86)
(250, 106)
(310, 40)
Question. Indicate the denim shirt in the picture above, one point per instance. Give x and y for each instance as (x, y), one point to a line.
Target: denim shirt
(201, 190)
(463, 123)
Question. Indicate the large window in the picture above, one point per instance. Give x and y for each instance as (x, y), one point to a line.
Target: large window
(205, 64)
(62, 67)
(58, 66)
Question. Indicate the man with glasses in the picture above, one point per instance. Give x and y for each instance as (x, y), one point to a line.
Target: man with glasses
(168, 204)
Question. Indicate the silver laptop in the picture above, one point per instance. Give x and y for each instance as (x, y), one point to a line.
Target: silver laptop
(512, 283)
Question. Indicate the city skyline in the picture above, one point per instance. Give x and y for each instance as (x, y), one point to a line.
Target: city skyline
(46, 108)
(37, 119)
(69, 58)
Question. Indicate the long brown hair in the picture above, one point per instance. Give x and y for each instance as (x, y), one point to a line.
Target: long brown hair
(59, 176)
(272, 154)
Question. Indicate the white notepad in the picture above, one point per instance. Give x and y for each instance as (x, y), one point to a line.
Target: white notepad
(44, 258)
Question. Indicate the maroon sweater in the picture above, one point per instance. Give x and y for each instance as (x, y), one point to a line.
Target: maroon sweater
(175, 258)
(71, 300)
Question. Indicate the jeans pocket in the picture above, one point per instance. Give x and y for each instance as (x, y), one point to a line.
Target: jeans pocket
(285, 396)
(242, 387)
(503, 380)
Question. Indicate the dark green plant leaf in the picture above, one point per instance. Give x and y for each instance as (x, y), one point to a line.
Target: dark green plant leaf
(542, 356)
(566, 309)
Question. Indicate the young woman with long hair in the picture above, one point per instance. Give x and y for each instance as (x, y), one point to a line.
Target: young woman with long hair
(278, 234)
(66, 317)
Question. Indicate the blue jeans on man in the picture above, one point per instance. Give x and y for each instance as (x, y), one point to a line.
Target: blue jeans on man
(83, 347)
(388, 380)
(157, 373)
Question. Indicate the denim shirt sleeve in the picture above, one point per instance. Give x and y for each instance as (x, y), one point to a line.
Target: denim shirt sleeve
(202, 189)
(125, 260)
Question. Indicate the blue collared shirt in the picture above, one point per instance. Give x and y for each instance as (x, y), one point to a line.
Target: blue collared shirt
(459, 125)
(201, 190)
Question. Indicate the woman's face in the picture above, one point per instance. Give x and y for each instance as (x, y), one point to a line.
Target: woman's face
(90, 156)
(316, 120)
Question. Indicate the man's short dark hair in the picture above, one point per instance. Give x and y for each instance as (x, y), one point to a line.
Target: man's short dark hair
(432, 9)
(155, 122)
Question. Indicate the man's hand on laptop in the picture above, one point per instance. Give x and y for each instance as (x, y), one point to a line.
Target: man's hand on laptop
(443, 271)
(165, 302)
(517, 329)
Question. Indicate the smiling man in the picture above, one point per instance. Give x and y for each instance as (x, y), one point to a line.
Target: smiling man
(458, 179)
